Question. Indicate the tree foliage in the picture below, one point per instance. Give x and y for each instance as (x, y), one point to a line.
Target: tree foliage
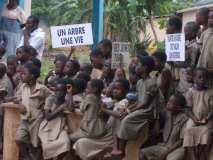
(124, 19)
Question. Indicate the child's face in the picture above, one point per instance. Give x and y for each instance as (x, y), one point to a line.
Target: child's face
(210, 20)
(106, 70)
(11, 67)
(90, 89)
(21, 55)
(119, 74)
(60, 91)
(105, 50)
(170, 29)
(188, 33)
(172, 105)
(69, 69)
(97, 61)
(158, 64)
(59, 67)
(189, 75)
(109, 90)
(133, 79)
(118, 91)
(140, 69)
(26, 76)
(200, 78)
(133, 64)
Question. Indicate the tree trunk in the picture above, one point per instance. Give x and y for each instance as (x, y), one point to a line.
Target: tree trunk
(153, 28)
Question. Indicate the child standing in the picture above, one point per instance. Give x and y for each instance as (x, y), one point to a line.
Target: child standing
(52, 131)
(171, 147)
(136, 119)
(206, 57)
(92, 124)
(31, 97)
(198, 128)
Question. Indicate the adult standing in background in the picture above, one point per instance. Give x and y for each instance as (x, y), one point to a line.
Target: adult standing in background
(12, 17)
(33, 36)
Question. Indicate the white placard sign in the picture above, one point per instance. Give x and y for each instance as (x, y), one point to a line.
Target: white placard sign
(120, 54)
(175, 47)
(71, 35)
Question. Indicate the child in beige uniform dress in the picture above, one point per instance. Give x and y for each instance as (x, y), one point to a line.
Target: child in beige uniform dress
(31, 97)
(197, 135)
(53, 129)
(171, 147)
(92, 123)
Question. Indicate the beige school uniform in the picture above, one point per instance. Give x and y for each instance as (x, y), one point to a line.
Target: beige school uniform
(34, 102)
(171, 134)
(53, 134)
(202, 105)
(92, 124)
(136, 121)
(206, 57)
(119, 107)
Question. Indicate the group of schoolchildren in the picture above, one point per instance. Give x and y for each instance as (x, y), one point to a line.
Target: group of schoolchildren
(171, 103)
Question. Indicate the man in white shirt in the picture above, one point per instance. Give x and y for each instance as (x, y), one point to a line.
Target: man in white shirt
(33, 36)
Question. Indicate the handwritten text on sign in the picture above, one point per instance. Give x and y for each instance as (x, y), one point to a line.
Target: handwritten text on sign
(71, 35)
(175, 47)
(120, 54)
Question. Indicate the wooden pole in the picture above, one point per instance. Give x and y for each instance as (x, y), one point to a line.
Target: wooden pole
(11, 123)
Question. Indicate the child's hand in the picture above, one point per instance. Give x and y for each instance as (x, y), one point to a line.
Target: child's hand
(163, 156)
(123, 115)
(48, 116)
(22, 109)
(197, 122)
(69, 89)
(203, 121)
(103, 107)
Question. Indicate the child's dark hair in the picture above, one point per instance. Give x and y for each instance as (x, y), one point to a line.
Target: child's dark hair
(125, 84)
(84, 76)
(3, 68)
(204, 12)
(175, 22)
(142, 53)
(32, 69)
(180, 99)
(12, 58)
(96, 53)
(149, 62)
(34, 18)
(160, 55)
(78, 84)
(61, 82)
(32, 51)
(98, 84)
(193, 26)
(200, 69)
(60, 57)
(36, 62)
(75, 64)
(106, 43)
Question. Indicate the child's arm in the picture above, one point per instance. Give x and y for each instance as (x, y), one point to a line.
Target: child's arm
(50, 116)
(109, 112)
(171, 149)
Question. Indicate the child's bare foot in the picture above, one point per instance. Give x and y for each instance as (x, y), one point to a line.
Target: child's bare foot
(117, 154)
